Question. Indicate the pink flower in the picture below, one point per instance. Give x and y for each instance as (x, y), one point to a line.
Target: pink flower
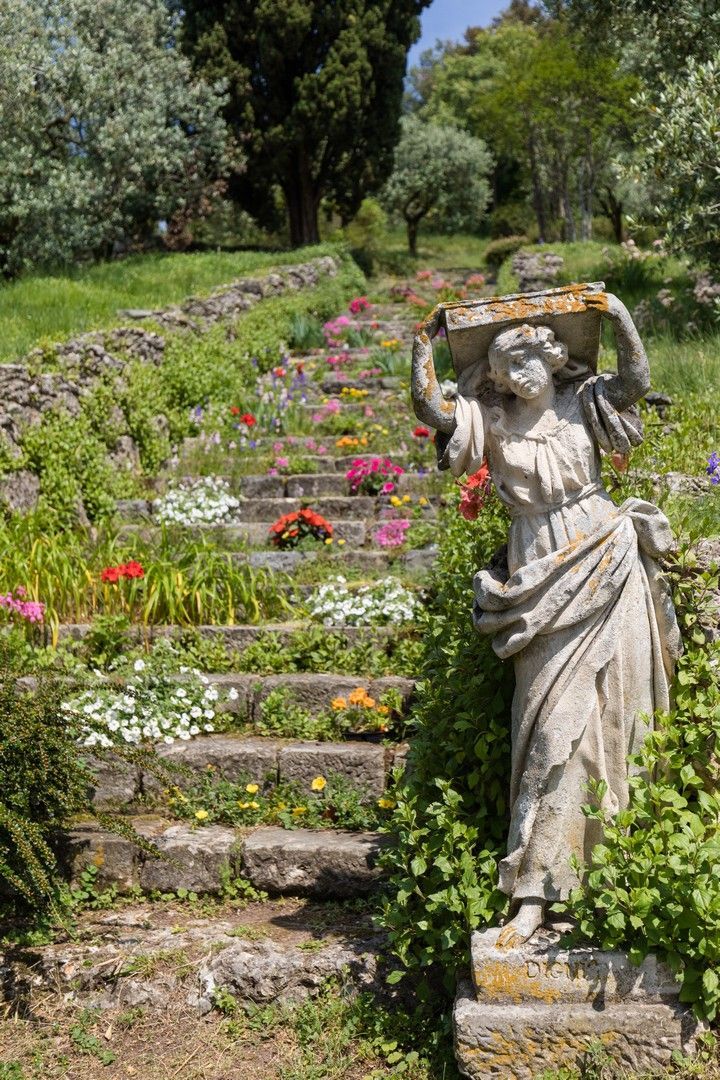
(387, 488)
(360, 303)
(392, 533)
(282, 462)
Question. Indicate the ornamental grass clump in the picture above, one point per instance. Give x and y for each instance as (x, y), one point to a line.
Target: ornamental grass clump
(385, 601)
(373, 476)
(292, 530)
(206, 501)
(146, 708)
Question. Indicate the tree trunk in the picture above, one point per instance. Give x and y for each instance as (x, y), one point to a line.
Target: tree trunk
(585, 193)
(412, 232)
(567, 213)
(538, 198)
(302, 201)
(613, 209)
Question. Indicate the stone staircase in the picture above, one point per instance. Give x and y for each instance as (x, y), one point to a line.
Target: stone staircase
(324, 863)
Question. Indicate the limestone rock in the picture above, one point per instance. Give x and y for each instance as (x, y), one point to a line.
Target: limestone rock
(19, 490)
(360, 763)
(323, 864)
(265, 971)
(194, 859)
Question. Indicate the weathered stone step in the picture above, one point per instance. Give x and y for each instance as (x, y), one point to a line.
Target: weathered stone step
(255, 533)
(314, 692)
(372, 561)
(264, 508)
(274, 951)
(299, 486)
(239, 635)
(239, 758)
(323, 863)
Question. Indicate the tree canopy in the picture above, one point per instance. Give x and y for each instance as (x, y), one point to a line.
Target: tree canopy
(104, 131)
(551, 111)
(441, 172)
(315, 90)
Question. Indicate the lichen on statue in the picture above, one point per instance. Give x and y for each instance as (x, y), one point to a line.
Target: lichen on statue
(583, 610)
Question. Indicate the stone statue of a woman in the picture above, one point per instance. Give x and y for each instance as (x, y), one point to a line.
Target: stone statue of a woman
(583, 609)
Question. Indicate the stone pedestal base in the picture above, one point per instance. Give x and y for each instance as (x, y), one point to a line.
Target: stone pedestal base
(540, 1007)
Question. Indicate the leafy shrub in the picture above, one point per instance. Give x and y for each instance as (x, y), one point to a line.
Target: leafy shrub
(511, 219)
(452, 814)
(498, 251)
(43, 784)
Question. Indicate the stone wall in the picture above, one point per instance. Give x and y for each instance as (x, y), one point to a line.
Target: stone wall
(73, 367)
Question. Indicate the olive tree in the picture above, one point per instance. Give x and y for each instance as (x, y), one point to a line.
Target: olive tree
(440, 176)
(104, 129)
(680, 163)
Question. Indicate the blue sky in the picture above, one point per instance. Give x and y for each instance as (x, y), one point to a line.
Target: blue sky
(448, 19)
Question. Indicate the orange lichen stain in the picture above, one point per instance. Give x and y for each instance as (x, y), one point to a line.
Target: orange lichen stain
(568, 299)
(98, 858)
(502, 981)
(570, 548)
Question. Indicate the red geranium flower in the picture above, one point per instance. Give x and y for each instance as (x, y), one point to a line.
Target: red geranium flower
(248, 419)
(421, 432)
(234, 409)
(290, 529)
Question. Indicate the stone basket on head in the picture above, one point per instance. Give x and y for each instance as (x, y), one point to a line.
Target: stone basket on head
(471, 325)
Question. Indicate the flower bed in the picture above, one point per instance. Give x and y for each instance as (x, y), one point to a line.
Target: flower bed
(293, 529)
(146, 708)
(206, 501)
(385, 601)
(373, 476)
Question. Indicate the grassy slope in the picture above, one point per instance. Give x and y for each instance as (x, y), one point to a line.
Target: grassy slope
(39, 307)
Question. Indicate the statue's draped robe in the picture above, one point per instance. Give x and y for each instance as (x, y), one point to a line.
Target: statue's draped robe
(584, 613)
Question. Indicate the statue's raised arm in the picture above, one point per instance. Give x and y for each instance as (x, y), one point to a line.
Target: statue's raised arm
(633, 377)
(431, 406)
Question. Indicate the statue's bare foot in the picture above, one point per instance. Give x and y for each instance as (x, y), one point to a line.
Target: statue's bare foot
(521, 928)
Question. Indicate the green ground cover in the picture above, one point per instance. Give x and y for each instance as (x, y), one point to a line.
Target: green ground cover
(44, 307)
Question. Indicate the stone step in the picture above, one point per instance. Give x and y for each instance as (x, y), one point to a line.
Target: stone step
(251, 759)
(239, 635)
(354, 533)
(313, 692)
(372, 561)
(323, 863)
(272, 951)
(299, 493)
(299, 486)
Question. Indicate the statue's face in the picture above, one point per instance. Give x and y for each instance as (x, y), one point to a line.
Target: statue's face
(522, 371)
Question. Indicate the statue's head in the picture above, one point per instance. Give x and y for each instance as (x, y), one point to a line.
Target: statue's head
(523, 359)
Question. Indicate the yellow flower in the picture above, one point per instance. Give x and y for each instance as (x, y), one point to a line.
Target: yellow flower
(252, 789)
(319, 783)
(383, 710)
(298, 810)
(423, 501)
(243, 805)
(328, 540)
(201, 814)
(395, 501)
(253, 806)
(369, 702)
(357, 697)
(338, 703)
(363, 441)
(385, 804)
(340, 543)
(406, 499)
(281, 806)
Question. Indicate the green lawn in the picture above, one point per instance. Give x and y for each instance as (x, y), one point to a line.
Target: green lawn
(42, 307)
